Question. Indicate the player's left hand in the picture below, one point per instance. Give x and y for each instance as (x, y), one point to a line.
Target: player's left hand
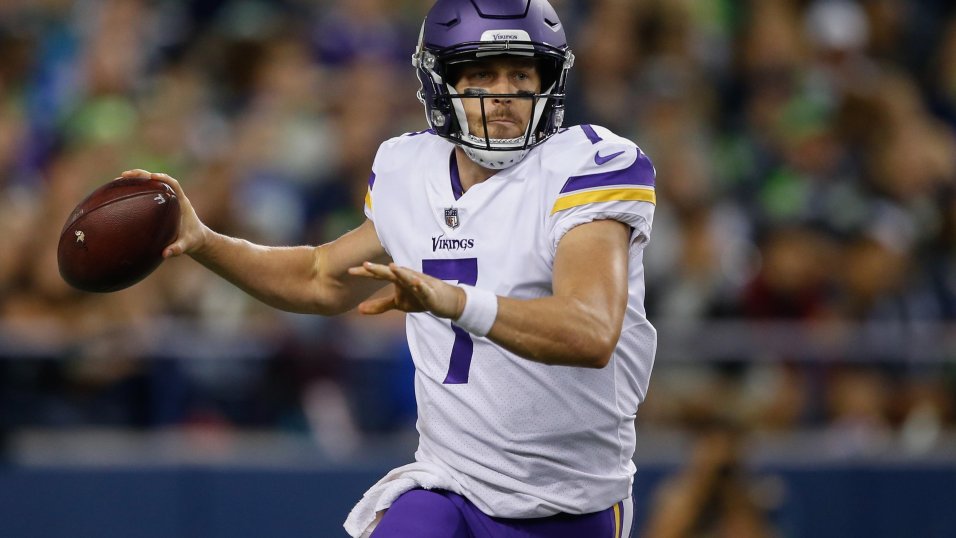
(411, 292)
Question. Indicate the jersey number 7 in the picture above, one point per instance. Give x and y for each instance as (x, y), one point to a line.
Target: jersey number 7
(464, 271)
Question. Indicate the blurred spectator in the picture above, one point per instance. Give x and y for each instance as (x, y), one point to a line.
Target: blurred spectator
(713, 495)
(857, 404)
(793, 279)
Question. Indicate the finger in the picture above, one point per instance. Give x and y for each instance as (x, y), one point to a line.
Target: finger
(136, 173)
(412, 280)
(362, 272)
(173, 250)
(380, 305)
(381, 272)
(405, 274)
(171, 181)
(365, 272)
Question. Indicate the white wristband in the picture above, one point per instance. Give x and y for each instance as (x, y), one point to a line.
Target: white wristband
(481, 309)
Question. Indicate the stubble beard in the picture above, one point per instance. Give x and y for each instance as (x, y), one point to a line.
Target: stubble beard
(498, 130)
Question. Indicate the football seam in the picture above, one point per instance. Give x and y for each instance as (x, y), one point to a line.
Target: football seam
(112, 201)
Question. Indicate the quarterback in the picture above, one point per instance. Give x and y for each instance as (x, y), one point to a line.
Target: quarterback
(515, 245)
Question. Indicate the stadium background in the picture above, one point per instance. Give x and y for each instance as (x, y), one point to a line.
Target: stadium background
(801, 272)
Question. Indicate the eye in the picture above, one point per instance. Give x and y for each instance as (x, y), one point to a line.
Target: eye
(523, 76)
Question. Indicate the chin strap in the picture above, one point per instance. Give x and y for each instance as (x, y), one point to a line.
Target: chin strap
(495, 159)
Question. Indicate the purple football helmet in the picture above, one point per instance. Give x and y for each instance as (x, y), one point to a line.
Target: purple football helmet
(457, 31)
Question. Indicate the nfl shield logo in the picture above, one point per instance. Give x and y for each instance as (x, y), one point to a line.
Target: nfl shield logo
(451, 217)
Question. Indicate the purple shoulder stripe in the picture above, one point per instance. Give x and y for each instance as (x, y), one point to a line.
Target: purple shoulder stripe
(371, 180)
(591, 133)
(639, 173)
(416, 133)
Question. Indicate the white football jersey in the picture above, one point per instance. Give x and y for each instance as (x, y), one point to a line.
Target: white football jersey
(523, 439)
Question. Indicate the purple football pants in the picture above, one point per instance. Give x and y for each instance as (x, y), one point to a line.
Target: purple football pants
(423, 513)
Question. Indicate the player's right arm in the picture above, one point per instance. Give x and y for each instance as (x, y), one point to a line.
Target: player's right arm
(302, 279)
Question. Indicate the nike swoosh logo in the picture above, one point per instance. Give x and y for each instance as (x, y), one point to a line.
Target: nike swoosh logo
(599, 159)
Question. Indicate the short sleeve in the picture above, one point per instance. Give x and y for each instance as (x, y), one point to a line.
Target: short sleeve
(368, 197)
(624, 194)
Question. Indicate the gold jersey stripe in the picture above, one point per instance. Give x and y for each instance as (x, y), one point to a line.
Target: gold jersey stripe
(368, 198)
(623, 194)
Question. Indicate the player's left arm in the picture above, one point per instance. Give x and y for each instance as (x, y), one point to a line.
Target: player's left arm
(578, 326)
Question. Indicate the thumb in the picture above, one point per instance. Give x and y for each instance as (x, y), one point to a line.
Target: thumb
(173, 250)
(377, 306)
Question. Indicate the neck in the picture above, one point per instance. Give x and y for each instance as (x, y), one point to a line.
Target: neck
(469, 172)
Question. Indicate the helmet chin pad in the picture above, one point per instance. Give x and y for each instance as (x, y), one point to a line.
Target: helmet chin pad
(497, 159)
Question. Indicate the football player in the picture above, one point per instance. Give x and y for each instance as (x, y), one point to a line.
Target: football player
(515, 246)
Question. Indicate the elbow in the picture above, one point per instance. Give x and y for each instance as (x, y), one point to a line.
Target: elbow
(597, 351)
(317, 309)
(304, 307)
(324, 305)
(601, 357)
(603, 335)
(595, 341)
(588, 359)
(600, 361)
(314, 301)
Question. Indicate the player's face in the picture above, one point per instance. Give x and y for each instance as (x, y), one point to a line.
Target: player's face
(507, 117)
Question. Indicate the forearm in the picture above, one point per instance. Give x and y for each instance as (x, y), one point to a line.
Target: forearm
(579, 325)
(556, 330)
(282, 277)
(303, 279)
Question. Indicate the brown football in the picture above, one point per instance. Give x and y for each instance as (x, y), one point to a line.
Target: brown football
(115, 237)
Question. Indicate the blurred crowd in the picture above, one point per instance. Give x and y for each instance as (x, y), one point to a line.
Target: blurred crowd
(806, 173)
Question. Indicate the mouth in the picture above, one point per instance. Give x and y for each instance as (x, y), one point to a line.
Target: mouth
(503, 129)
(500, 126)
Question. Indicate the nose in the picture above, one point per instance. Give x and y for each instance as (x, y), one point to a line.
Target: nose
(503, 85)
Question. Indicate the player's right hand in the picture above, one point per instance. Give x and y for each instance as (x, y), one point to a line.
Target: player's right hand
(192, 232)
